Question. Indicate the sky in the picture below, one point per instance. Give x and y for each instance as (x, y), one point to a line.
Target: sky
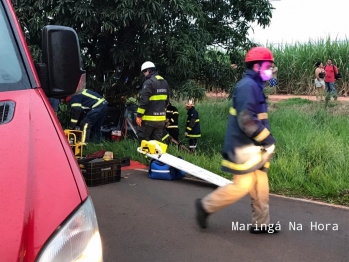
(304, 20)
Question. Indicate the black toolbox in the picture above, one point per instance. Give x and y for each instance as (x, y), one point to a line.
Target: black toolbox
(97, 171)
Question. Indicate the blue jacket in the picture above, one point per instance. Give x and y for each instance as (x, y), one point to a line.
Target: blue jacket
(248, 131)
(86, 100)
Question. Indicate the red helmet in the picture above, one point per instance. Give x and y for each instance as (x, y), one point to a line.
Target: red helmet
(259, 53)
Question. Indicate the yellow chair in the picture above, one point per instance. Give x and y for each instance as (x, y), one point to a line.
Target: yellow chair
(76, 139)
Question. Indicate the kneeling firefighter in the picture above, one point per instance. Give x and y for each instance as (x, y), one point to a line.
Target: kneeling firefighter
(248, 147)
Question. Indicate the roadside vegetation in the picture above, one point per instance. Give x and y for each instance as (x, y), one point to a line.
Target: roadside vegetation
(311, 152)
(296, 64)
(181, 37)
(199, 46)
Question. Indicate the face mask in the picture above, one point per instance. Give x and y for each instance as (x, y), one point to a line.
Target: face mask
(266, 74)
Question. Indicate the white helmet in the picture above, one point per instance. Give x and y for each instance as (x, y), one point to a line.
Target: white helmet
(190, 102)
(147, 65)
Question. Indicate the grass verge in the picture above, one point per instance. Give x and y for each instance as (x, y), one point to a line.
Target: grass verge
(310, 160)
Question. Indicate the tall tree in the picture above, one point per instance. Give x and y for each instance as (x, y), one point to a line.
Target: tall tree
(117, 36)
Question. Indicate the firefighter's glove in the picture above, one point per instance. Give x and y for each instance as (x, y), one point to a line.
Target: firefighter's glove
(185, 134)
(139, 121)
(269, 149)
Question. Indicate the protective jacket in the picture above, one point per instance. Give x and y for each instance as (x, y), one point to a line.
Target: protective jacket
(248, 132)
(172, 116)
(86, 100)
(193, 124)
(154, 99)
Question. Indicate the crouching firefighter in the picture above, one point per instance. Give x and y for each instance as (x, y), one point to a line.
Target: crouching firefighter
(248, 147)
(97, 108)
(192, 131)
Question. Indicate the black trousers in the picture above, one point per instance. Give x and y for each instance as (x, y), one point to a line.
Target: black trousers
(174, 132)
(150, 130)
(193, 144)
(93, 121)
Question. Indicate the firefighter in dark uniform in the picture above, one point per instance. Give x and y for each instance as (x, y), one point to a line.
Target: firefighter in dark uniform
(151, 112)
(192, 131)
(97, 108)
(172, 121)
(248, 147)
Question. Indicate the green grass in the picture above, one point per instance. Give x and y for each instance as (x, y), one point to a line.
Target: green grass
(310, 160)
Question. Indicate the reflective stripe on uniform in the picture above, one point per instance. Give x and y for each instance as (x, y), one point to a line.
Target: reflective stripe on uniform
(99, 100)
(194, 136)
(172, 112)
(166, 136)
(154, 118)
(140, 110)
(189, 128)
(172, 127)
(74, 121)
(267, 165)
(260, 116)
(89, 95)
(232, 111)
(245, 166)
(197, 120)
(262, 135)
(159, 77)
(158, 97)
(76, 105)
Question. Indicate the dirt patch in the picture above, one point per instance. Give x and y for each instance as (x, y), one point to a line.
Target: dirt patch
(312, 98)
(217, 94)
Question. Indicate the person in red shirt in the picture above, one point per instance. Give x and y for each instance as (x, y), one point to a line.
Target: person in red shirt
(330, 70)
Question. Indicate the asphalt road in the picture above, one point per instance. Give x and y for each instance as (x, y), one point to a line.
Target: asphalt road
(150, 220)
